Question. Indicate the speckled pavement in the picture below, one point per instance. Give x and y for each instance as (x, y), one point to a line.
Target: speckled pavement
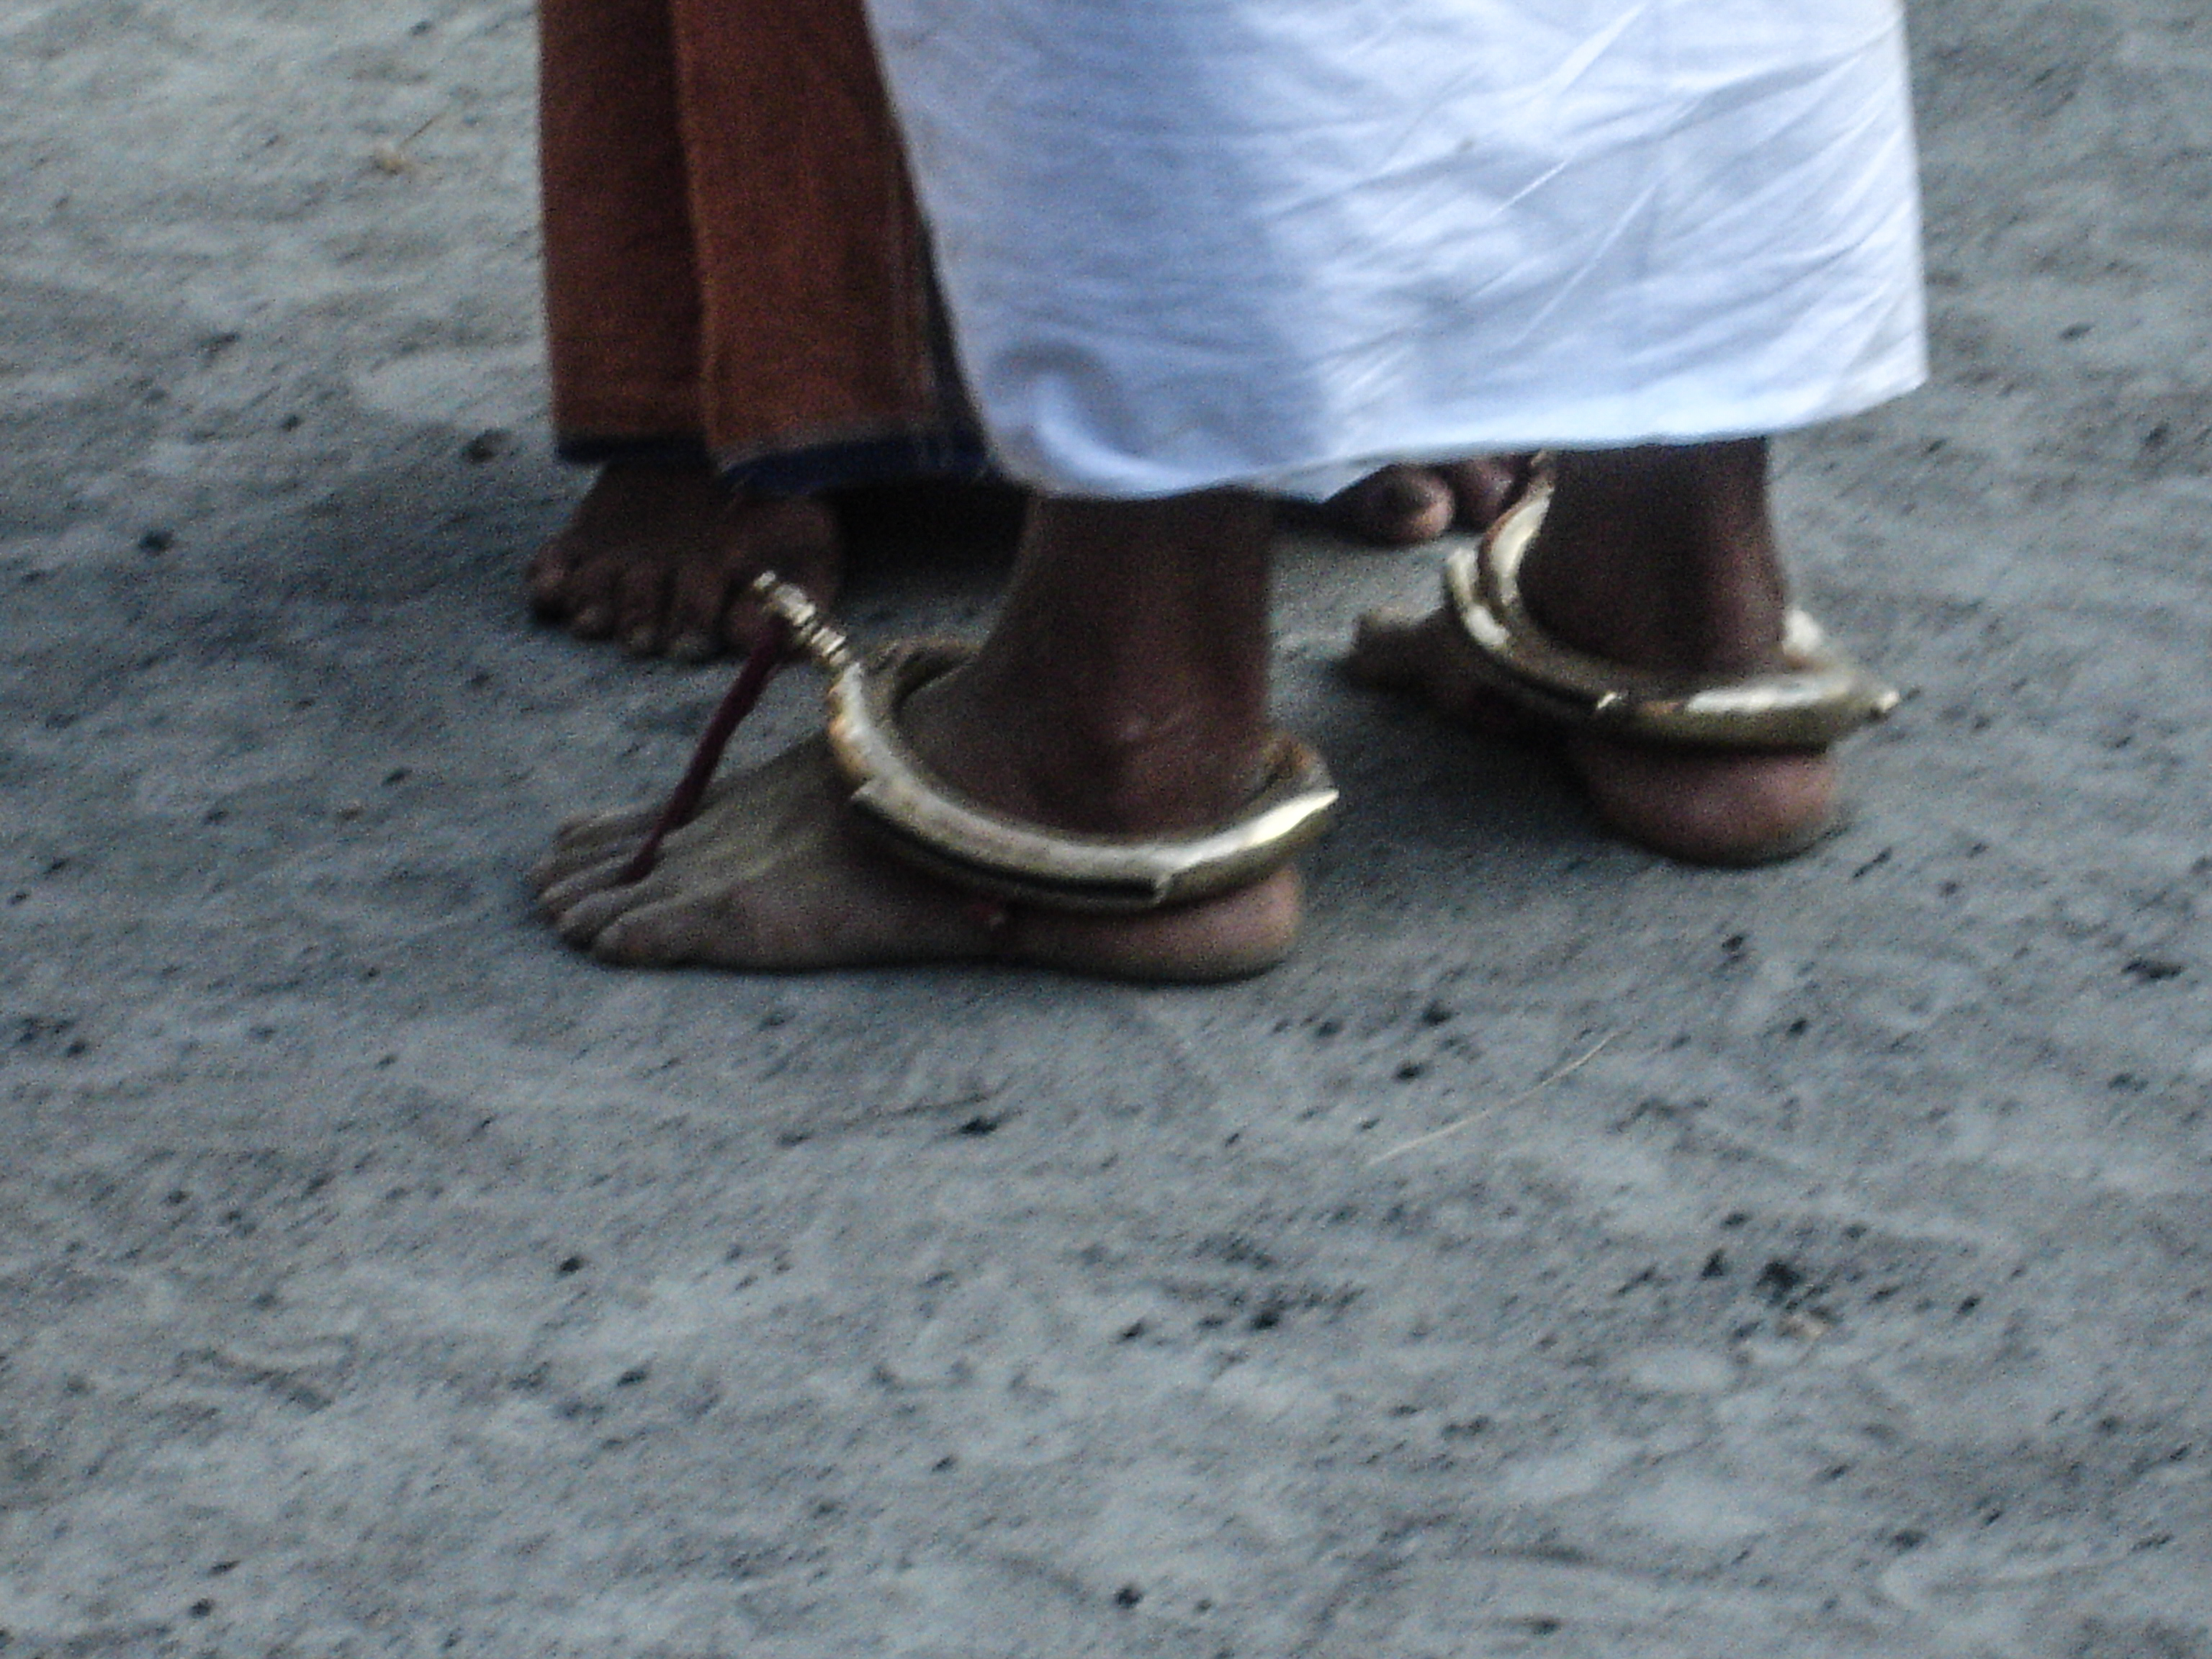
(1565, 1255)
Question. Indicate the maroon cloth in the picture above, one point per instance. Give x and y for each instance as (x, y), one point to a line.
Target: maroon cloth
(733, 257)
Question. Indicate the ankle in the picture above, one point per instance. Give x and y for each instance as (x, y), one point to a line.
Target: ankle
(655, 487)
(1102, 766)
(1661, 558)
(1124, 690)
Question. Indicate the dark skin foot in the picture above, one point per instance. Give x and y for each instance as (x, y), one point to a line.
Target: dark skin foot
(658, 558)
(1405, 505)
(1664, 558)
(1121, 691)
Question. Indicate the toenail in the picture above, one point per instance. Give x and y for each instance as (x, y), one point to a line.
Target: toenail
(691, 648)
(639, 641)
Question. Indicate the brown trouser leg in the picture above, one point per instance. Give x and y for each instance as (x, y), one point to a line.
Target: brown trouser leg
(732, 253)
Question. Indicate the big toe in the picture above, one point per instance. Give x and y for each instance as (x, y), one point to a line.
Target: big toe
(798, 540)
(1397, 506)
(641, 606)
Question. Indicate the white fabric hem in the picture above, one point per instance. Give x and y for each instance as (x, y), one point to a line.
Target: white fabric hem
(1759, 418)
(1276, 243)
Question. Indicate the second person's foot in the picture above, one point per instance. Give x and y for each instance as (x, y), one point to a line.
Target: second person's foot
(658, 558)
(1404, 506)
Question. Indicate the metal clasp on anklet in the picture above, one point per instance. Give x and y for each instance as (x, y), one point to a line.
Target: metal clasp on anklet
(811, 630)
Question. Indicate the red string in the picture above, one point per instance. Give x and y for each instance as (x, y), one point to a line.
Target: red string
(760, 666)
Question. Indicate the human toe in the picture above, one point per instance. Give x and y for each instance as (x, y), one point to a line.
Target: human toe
(716, 931)
(547, 580)
(1397, 506)
(591, 598)
(1482, 488)
(592, 835)
(584, 905)
(642, 607)
(565, 873)
(699, 595)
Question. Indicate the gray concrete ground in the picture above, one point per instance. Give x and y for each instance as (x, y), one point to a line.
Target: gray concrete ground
(377, 1277)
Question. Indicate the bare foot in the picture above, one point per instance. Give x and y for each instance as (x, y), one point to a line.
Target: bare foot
(1658, 558)
(1404, 506)
(1134, 706)
(774, 875)
(659, 557)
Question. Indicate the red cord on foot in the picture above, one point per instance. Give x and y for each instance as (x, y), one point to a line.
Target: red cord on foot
(759, 666)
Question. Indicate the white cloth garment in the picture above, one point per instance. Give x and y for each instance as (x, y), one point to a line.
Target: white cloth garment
(1276, 243)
